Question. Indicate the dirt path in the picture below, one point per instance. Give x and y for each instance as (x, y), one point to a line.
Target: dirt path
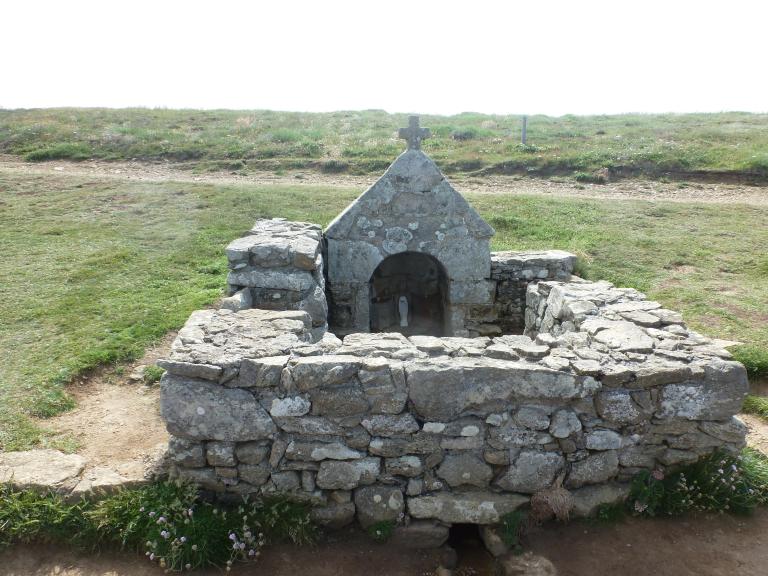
(116, 422)
(494, 184)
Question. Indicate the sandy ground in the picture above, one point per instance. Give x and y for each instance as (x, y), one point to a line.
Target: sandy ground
(116, 421)
(512, 185)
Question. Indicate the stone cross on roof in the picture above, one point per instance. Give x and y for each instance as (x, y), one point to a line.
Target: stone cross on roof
(414, 134)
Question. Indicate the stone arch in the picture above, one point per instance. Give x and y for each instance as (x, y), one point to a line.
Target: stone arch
(420, 279)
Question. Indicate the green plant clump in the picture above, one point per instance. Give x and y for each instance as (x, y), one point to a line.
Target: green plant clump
(513, 526)
(719, 483)
(381, 531)
(757, 405)
(165, 521)
(153, 374)
(754, 358)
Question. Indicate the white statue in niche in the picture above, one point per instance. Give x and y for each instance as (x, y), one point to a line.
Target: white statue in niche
(402, 308)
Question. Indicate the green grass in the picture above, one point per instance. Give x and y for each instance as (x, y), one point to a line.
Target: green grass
(96, 270)
(166, 522)
(679, 145)
(757, 405)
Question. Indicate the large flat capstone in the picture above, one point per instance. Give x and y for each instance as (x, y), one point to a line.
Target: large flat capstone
(465, 507)
(200, 410)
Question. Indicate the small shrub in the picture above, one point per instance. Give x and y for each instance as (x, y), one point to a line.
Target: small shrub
(153, 374)
(334, 166)
(611, 513)
(586, 177)
(528, 148)
(463, 134)
(513, 527)
(382, 531)
(718, 483)
(60, 151)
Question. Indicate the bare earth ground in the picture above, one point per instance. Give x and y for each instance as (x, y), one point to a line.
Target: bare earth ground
(116, 423)
(126, 413)
(492, 184)
(701, 546)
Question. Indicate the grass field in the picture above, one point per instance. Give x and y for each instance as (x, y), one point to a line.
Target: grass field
(94, 270)
(687, 146)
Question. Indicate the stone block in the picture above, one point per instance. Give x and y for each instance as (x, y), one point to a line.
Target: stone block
(337, 475)
(594, 469)
(465, 507)
(465, 469)
(199, 410)
(378, 503)
(419, 534)
(533, 470)
(220, 453)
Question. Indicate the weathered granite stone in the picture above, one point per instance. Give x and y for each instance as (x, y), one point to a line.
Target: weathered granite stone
(532, 471)
(639, 456)
(533, 417)
(261, 371)
(98, 482)
(339, 401)
(309, 426)
(718, 397)
(252, 452)
(41, 470)
(190, 369)
(313, 371)
(493, 540)
(617, 406)
(603, 440)
(336, 475)
(564, 423)
(378, 503)
(732, 430)
(443, 390)
(594, 469)
(408, 466)
(511, 436)
(317, 451)
(187, 453)
(220, 453)
(198, 410)
(465, 469)
(206, 478)
(465, 507)
(389, 425)
(420, 534)
(291, 406)
(286, 481)
(256, 474)
(334, 516)
(526, 564)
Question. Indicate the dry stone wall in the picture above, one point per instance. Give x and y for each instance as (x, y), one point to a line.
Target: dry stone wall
(278, 265)
(427, 431)
(513, 271)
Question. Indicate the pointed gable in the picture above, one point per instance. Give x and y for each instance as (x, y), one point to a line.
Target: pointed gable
(412, 192)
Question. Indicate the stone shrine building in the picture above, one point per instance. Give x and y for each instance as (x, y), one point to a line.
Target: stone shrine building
(393, 369)
(410, 236)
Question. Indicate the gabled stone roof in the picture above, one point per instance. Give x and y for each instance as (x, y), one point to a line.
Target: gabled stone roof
(412, 188)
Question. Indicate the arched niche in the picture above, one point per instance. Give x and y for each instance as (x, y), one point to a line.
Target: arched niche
(410, 284)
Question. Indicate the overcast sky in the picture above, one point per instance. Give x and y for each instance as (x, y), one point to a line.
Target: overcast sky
(538, 56)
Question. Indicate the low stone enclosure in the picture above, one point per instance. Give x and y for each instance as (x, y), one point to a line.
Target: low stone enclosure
(394, 370)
